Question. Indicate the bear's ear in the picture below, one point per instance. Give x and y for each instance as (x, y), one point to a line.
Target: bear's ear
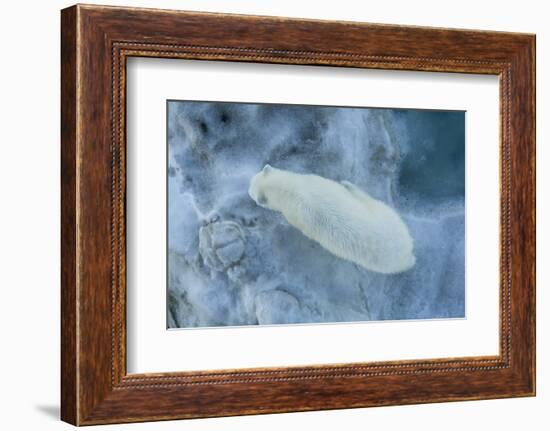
(267, 168)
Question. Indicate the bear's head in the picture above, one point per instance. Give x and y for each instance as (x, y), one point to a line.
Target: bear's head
(258, 184)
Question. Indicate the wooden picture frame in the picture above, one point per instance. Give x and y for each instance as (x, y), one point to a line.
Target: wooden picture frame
(95, 43)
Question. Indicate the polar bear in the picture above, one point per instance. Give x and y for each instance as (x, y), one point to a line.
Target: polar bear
(339, 216)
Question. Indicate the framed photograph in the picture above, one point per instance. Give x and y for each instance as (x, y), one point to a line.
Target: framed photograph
(265, 214)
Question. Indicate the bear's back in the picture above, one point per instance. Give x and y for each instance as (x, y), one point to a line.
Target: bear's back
(363, 230)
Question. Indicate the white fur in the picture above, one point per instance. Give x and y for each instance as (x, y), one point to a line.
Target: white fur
(341, 217)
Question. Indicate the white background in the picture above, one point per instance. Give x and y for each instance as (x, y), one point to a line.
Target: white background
(151, 348)
(29, 226)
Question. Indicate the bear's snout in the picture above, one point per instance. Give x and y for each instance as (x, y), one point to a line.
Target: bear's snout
(253, 188)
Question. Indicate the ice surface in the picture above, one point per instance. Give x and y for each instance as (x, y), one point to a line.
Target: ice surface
(232, 262)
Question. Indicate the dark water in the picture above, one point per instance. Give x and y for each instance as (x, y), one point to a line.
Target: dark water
(433, 167)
